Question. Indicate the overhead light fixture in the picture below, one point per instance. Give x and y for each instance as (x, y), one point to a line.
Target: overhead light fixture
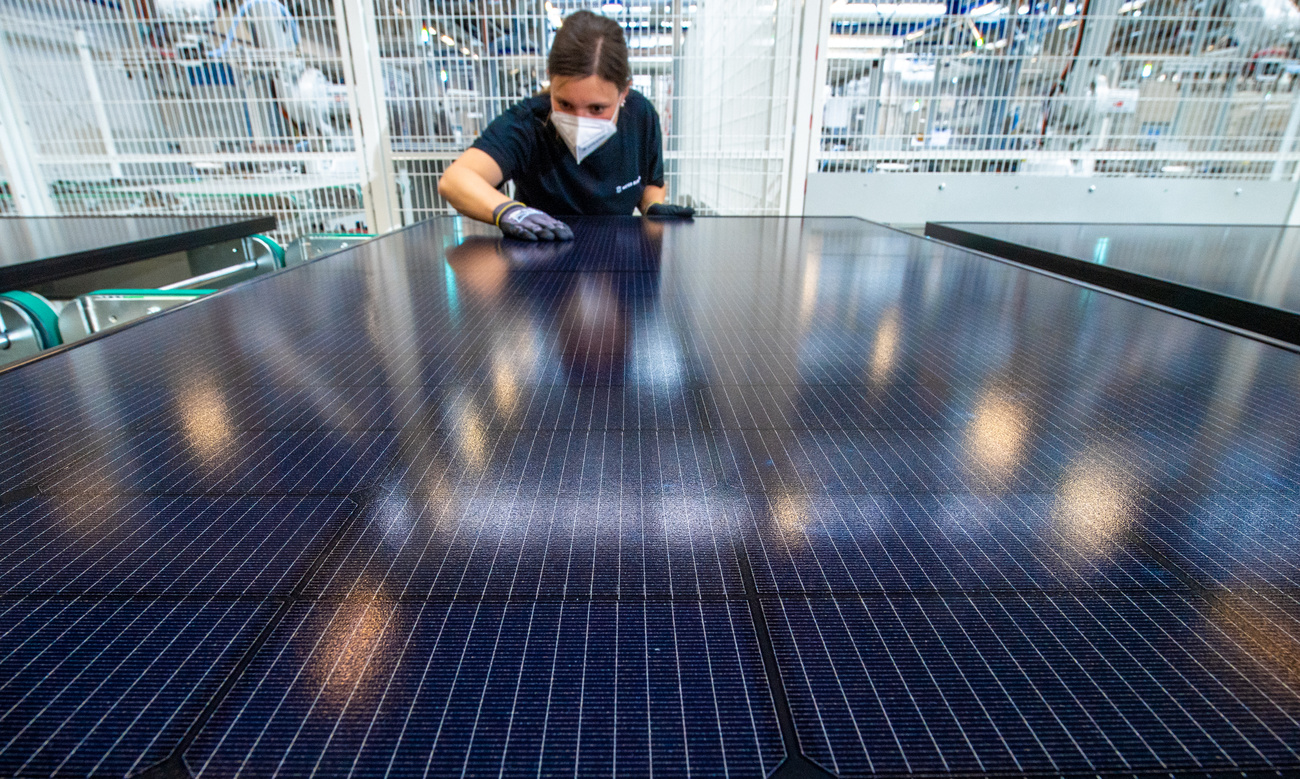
(611, 9)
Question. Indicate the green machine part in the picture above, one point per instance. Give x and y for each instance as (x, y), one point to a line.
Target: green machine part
(44, 318)
(277, 251)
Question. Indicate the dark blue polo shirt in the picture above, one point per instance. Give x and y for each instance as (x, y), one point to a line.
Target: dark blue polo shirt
(609, 181)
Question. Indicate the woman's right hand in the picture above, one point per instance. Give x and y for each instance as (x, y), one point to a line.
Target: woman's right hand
(519, 221)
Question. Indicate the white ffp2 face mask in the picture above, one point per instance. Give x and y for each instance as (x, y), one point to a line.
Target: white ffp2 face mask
(583, 135)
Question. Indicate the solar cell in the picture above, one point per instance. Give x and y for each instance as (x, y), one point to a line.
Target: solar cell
(165, 545)
(953, 542)
(530, 543)
(108, 687)
(200, 459)
(1229, 540)
(371, 687)
(1064, 683)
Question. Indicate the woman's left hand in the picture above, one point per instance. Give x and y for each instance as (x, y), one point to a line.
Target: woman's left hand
(670, 212)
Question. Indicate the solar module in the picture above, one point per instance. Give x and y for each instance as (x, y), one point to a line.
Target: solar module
(739, 497)
(40, 249)
(1241, 275)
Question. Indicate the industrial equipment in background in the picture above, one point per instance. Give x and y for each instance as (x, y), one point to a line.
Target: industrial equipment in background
(1095, 87)
(69, 309)
(340, 115)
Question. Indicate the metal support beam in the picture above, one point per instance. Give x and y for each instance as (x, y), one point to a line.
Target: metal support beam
(359, 40)
(810, 98)
(97, 102)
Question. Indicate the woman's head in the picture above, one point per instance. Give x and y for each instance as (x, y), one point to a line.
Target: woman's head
(588, 66)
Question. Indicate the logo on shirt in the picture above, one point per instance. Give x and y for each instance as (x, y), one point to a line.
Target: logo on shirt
(620, 189)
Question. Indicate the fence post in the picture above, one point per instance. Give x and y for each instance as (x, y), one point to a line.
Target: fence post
(97, 101)
(810, 97)
(359, 45)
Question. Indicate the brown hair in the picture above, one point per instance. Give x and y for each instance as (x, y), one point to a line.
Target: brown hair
(590, 45)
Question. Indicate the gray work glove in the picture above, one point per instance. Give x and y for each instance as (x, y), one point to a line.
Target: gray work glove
(670, 212)
(519, 221)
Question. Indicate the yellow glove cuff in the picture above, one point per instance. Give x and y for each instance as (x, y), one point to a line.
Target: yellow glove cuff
(501, 209)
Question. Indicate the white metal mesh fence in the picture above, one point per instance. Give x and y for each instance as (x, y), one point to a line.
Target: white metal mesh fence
(732, 123)
(718, 73)
(172, 106)
(1170, 88)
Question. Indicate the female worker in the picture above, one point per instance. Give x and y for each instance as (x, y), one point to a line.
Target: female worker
(588, 145)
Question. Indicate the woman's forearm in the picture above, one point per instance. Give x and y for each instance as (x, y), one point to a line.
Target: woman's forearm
(468, 189)
(469, 194)
(651, 195)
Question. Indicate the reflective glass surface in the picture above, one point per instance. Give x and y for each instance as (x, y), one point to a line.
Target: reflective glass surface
(28, 239)
(675, 498)
(1259, 264)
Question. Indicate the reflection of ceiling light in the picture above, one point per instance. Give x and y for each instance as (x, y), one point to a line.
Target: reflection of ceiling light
(611, 9)
(447, 39)
(1175, 169)
(885, 349)
(1022, 10)
(996, 436)
(986, 9)
(464, 50)
(1067, 25)
(911, 36)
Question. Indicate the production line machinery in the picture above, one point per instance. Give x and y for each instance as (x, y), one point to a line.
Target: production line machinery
(60, 312)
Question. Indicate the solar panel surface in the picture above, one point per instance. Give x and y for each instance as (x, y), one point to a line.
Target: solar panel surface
(733, 497)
